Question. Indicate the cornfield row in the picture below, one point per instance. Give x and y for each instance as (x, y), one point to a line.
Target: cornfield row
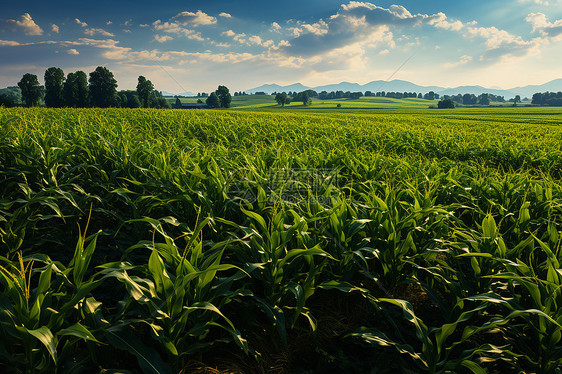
(159, 241)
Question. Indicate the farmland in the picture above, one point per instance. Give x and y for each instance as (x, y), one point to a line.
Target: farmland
(310, 240)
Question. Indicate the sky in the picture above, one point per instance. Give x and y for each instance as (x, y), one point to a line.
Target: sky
(197, 45)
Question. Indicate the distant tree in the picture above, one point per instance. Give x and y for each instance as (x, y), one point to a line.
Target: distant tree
(54, 83)
(10, 96)
(224, 96)
(103, 88)
(30, 89)
(304, 98)
(281, 98)
(469, 99)
(484, 99)
(76, 92)
(213, 101)
(420, 96)
(145, 90)
(133, 101)
(429, 96)
(516, 99)
(445, 104)
(178, 102)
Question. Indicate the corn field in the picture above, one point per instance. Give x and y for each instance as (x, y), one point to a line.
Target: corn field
(162, 241)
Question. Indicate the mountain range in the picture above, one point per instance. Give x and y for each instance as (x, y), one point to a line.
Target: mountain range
(405, 86)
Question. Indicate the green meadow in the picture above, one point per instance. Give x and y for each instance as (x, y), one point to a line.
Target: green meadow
(377, 237)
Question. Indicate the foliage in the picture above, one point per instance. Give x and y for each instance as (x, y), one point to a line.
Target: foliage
(145, 89)
(446, 104)
(54, 81)
(76, 92)
(103, 88)
(413, 241)
(213, 101)
(224, 96)
(30, 89)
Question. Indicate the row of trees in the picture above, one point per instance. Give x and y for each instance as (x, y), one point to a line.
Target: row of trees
(77, 91)
(547, 98)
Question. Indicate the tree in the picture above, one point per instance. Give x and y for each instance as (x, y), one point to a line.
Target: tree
(484, 99)
(145, 89)
(133, 101)
(516, 99)
(10, 96)
(281, 98)
(213, 101)
(469, 99)
(305, 98)
(75, 91)
(54, 83)
(224, 96)
(103, 88)
(30, 89)
(446, 104)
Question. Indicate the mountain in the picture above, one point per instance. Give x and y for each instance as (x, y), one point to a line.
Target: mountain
(528, 91)
(187, 93)
(477, 90)
(270, 88)
(405, 86)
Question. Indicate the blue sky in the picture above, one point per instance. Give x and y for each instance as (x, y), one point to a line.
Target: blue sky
(196, 45)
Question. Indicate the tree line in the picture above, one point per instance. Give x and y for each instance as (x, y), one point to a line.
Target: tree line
(547, 98)
(76, 90)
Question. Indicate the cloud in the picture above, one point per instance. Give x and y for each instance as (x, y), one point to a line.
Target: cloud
(82, 24)
(26, 24)
(540, 2)
(355, 22)
(175, 28)
(441, 22)
(54, 28)
(195, 19)
(162, 39)
(8, 43)
(275, 27)
(229, 33)
(73, 51)
(93, 31)
(541, 24)
(225, 15)
(463, 61)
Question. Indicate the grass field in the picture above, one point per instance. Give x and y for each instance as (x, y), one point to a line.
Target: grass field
(290, 240)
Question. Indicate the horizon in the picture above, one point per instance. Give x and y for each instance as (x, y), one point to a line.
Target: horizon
(196, 47)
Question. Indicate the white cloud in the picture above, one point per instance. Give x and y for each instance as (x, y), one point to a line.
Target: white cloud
(356, 22)
(463, 61)
(54, 28)
(109, 23)
(175, 28)
(9, 43)
(195, 19)
(543, 26)
(93, 31)
(82, 24)
(162, 39)
(442, 23)
(229, 33)
(73, 51)
(540, 2)
(275, 27)
(26, 24)
(225, 15)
